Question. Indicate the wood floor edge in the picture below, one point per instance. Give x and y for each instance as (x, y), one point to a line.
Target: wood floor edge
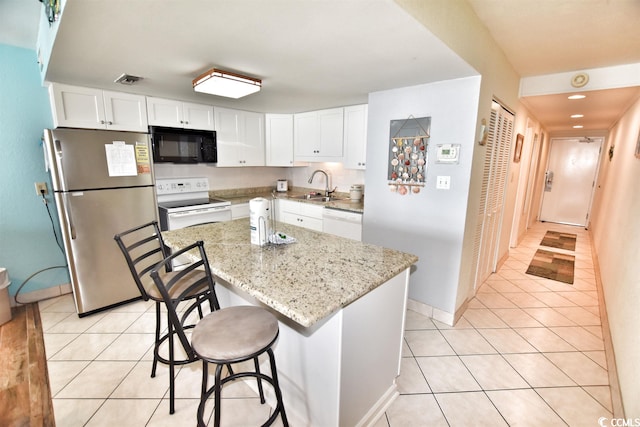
(24, 382)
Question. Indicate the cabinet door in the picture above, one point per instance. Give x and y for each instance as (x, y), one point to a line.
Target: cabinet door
(252, 138)
(306, 136)
(355, 136)
(240, 137)
(165, 112)
(125, 111)
(228, 136)
(77, 107)
(197, 116)
(330, 124)
(318, 136)
(279, 139)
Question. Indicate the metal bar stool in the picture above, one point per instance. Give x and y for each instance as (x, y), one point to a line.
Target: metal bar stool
(225, 336)
(143, 248)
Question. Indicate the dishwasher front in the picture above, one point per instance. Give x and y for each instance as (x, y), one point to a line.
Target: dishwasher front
(342, 223)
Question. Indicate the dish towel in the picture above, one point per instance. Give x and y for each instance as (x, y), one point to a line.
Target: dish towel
(279, 238)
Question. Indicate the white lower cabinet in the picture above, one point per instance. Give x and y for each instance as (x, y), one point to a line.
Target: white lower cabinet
(301, 214)
(240, 210)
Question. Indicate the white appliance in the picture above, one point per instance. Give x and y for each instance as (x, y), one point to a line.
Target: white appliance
(282, 185)
(260, 220)
(183, 202)
(342, 223)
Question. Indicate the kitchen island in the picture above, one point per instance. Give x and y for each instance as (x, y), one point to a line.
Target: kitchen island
(340, 304)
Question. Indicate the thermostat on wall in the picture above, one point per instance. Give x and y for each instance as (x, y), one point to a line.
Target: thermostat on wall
(448, 153)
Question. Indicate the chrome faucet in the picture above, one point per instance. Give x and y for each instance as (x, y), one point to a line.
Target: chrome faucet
(327, 179)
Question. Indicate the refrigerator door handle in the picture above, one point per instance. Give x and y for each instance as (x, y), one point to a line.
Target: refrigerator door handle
(67, 213)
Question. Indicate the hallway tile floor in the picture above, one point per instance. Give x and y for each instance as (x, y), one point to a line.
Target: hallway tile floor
(528, 351)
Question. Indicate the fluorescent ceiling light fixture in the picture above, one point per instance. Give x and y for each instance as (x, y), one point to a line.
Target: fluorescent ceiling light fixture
(577, 116)
(578, 127)
(224, 83)
(577, 96)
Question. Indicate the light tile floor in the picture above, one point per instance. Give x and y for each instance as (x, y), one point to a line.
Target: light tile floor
(528, 351)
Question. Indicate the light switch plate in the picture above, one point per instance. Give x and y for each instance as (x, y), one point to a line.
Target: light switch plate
(443, 182)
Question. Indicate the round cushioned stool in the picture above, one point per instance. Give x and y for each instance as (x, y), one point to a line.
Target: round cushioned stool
(231, 335)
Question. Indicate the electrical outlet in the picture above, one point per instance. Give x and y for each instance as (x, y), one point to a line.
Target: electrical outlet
(443, 182)
(41, 189)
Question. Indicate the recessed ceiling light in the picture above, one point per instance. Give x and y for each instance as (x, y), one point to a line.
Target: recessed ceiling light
(578, 127)
(577, 116)
(577, 96)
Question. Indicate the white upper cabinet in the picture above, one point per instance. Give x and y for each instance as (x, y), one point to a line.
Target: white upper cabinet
(178, 114)
(355, 136)
(279, 139)
(88, 108)
(318, 135)
(240, 137)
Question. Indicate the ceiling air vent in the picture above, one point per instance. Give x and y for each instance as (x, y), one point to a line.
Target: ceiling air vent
(127, 79)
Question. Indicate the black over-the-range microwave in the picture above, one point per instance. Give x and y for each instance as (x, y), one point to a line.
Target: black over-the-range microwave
(174, 145)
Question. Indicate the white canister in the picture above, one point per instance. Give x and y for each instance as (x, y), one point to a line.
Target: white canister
(355, 192)
(282, 185)
(260, 220)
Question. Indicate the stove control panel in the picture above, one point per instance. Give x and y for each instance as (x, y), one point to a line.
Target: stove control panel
(181, 185)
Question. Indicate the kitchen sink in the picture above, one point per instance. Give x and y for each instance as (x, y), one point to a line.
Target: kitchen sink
(317, 198)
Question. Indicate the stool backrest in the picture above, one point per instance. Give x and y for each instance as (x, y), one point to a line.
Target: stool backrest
(142, 248)
(176, 286)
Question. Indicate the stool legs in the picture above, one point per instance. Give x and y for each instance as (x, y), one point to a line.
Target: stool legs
(276, 386)
(157, 342)
(216, 390)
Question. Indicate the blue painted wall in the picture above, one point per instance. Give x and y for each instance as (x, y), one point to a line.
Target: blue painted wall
(27, 243)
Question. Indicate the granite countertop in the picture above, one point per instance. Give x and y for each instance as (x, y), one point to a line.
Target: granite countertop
(243, 195)
(305, 281)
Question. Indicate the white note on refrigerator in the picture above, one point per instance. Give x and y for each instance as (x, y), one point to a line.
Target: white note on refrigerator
(121, 159)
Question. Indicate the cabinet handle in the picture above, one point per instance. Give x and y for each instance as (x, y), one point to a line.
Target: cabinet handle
(101, 122)
(110, 122)
(181, 122)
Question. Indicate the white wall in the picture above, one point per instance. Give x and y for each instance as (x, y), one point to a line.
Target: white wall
(234, 178)
(429, 224)
(616, 237)
(223, 178)
(340, 177)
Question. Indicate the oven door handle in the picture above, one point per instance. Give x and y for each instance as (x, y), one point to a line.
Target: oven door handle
(199, 212)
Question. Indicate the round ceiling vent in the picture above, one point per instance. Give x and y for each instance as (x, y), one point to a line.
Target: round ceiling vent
(579, 80)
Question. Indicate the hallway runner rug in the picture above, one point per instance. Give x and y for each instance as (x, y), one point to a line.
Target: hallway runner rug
(552, 265)
(556, 239)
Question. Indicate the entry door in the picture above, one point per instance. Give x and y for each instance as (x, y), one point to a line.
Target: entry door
(570, 180)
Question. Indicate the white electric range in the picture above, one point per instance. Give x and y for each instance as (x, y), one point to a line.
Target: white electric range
(183, 202)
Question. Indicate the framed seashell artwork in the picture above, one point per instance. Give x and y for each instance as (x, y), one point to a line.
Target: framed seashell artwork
(408, 154)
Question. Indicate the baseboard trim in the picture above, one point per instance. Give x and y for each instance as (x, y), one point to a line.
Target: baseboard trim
(614, 384)
(41, 294)
(435, 313)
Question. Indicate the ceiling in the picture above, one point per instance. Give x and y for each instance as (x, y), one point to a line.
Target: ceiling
(324, 53)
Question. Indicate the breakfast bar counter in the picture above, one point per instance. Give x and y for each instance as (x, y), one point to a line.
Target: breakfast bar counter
(341, 307)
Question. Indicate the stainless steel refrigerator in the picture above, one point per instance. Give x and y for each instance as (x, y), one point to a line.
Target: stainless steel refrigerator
(103, 184)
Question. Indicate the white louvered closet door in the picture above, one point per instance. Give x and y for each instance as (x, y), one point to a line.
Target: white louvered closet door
(494, 181)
